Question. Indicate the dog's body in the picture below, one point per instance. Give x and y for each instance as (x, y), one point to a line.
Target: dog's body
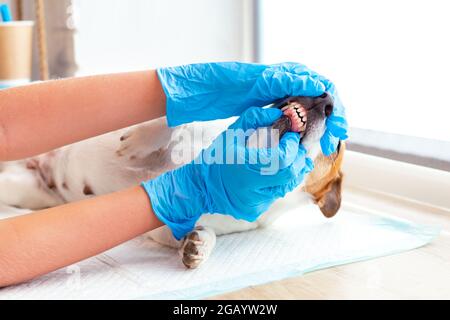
(124, 158)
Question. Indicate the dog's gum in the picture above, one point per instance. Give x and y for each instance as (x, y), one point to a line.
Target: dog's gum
(292, 111)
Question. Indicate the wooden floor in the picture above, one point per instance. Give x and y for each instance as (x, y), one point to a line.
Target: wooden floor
(422, 273)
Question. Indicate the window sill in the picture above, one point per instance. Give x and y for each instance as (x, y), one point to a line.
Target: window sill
(397, 179)
(420, 151)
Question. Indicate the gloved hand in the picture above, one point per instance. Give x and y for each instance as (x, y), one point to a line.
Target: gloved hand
(209, 91)
(244, 188)
(200, 92)
(336, 123)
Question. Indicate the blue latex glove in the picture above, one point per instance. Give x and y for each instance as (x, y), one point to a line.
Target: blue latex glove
(209, 91)
(243, 189)
(336, 123)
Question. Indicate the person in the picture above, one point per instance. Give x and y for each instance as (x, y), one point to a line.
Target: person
(47, 115)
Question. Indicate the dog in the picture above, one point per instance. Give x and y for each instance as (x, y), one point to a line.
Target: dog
(124, 158)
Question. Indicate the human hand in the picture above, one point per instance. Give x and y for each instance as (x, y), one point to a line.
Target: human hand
(209, 91)
(336, 123)
(229, 177)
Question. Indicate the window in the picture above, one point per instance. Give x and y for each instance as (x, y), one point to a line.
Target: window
(389, 60)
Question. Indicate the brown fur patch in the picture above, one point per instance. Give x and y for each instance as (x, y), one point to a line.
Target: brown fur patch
(32, 164)
(190, 249)
(51, 183)
(194, 236)
(42, 167)
(325, 181)
(87, 190)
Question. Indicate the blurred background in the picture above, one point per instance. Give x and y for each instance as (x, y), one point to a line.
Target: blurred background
(389, 59)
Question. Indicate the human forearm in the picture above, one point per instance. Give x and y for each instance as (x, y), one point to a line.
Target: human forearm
(50, 239)
(43, 116)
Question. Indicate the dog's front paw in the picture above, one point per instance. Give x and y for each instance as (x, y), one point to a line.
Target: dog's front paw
(197, 246)
(140, 141)
(134, 144)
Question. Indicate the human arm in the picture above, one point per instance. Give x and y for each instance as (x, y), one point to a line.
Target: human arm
(43, 116)
(46, 240)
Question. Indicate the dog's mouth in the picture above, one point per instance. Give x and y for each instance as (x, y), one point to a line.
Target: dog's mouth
(296, 113)
(303, 114)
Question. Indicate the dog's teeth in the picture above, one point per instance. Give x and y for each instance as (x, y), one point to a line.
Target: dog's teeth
(297, 114)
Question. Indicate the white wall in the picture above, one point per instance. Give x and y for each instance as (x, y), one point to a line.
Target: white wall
(120, 35)
(389, 59)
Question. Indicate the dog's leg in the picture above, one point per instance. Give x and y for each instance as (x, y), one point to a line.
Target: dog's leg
(152, 144)
(197, 246)
(164, 236)
(140, 141)
(194, 249)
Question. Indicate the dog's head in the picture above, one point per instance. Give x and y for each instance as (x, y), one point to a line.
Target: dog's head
(308, 116)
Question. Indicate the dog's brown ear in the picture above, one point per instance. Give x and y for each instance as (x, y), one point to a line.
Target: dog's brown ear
(330, 201)
(324, 183)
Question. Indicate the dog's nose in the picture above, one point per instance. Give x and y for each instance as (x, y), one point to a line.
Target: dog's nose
(324, 103)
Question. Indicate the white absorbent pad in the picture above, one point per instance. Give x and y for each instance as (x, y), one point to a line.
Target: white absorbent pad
(297, 243)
